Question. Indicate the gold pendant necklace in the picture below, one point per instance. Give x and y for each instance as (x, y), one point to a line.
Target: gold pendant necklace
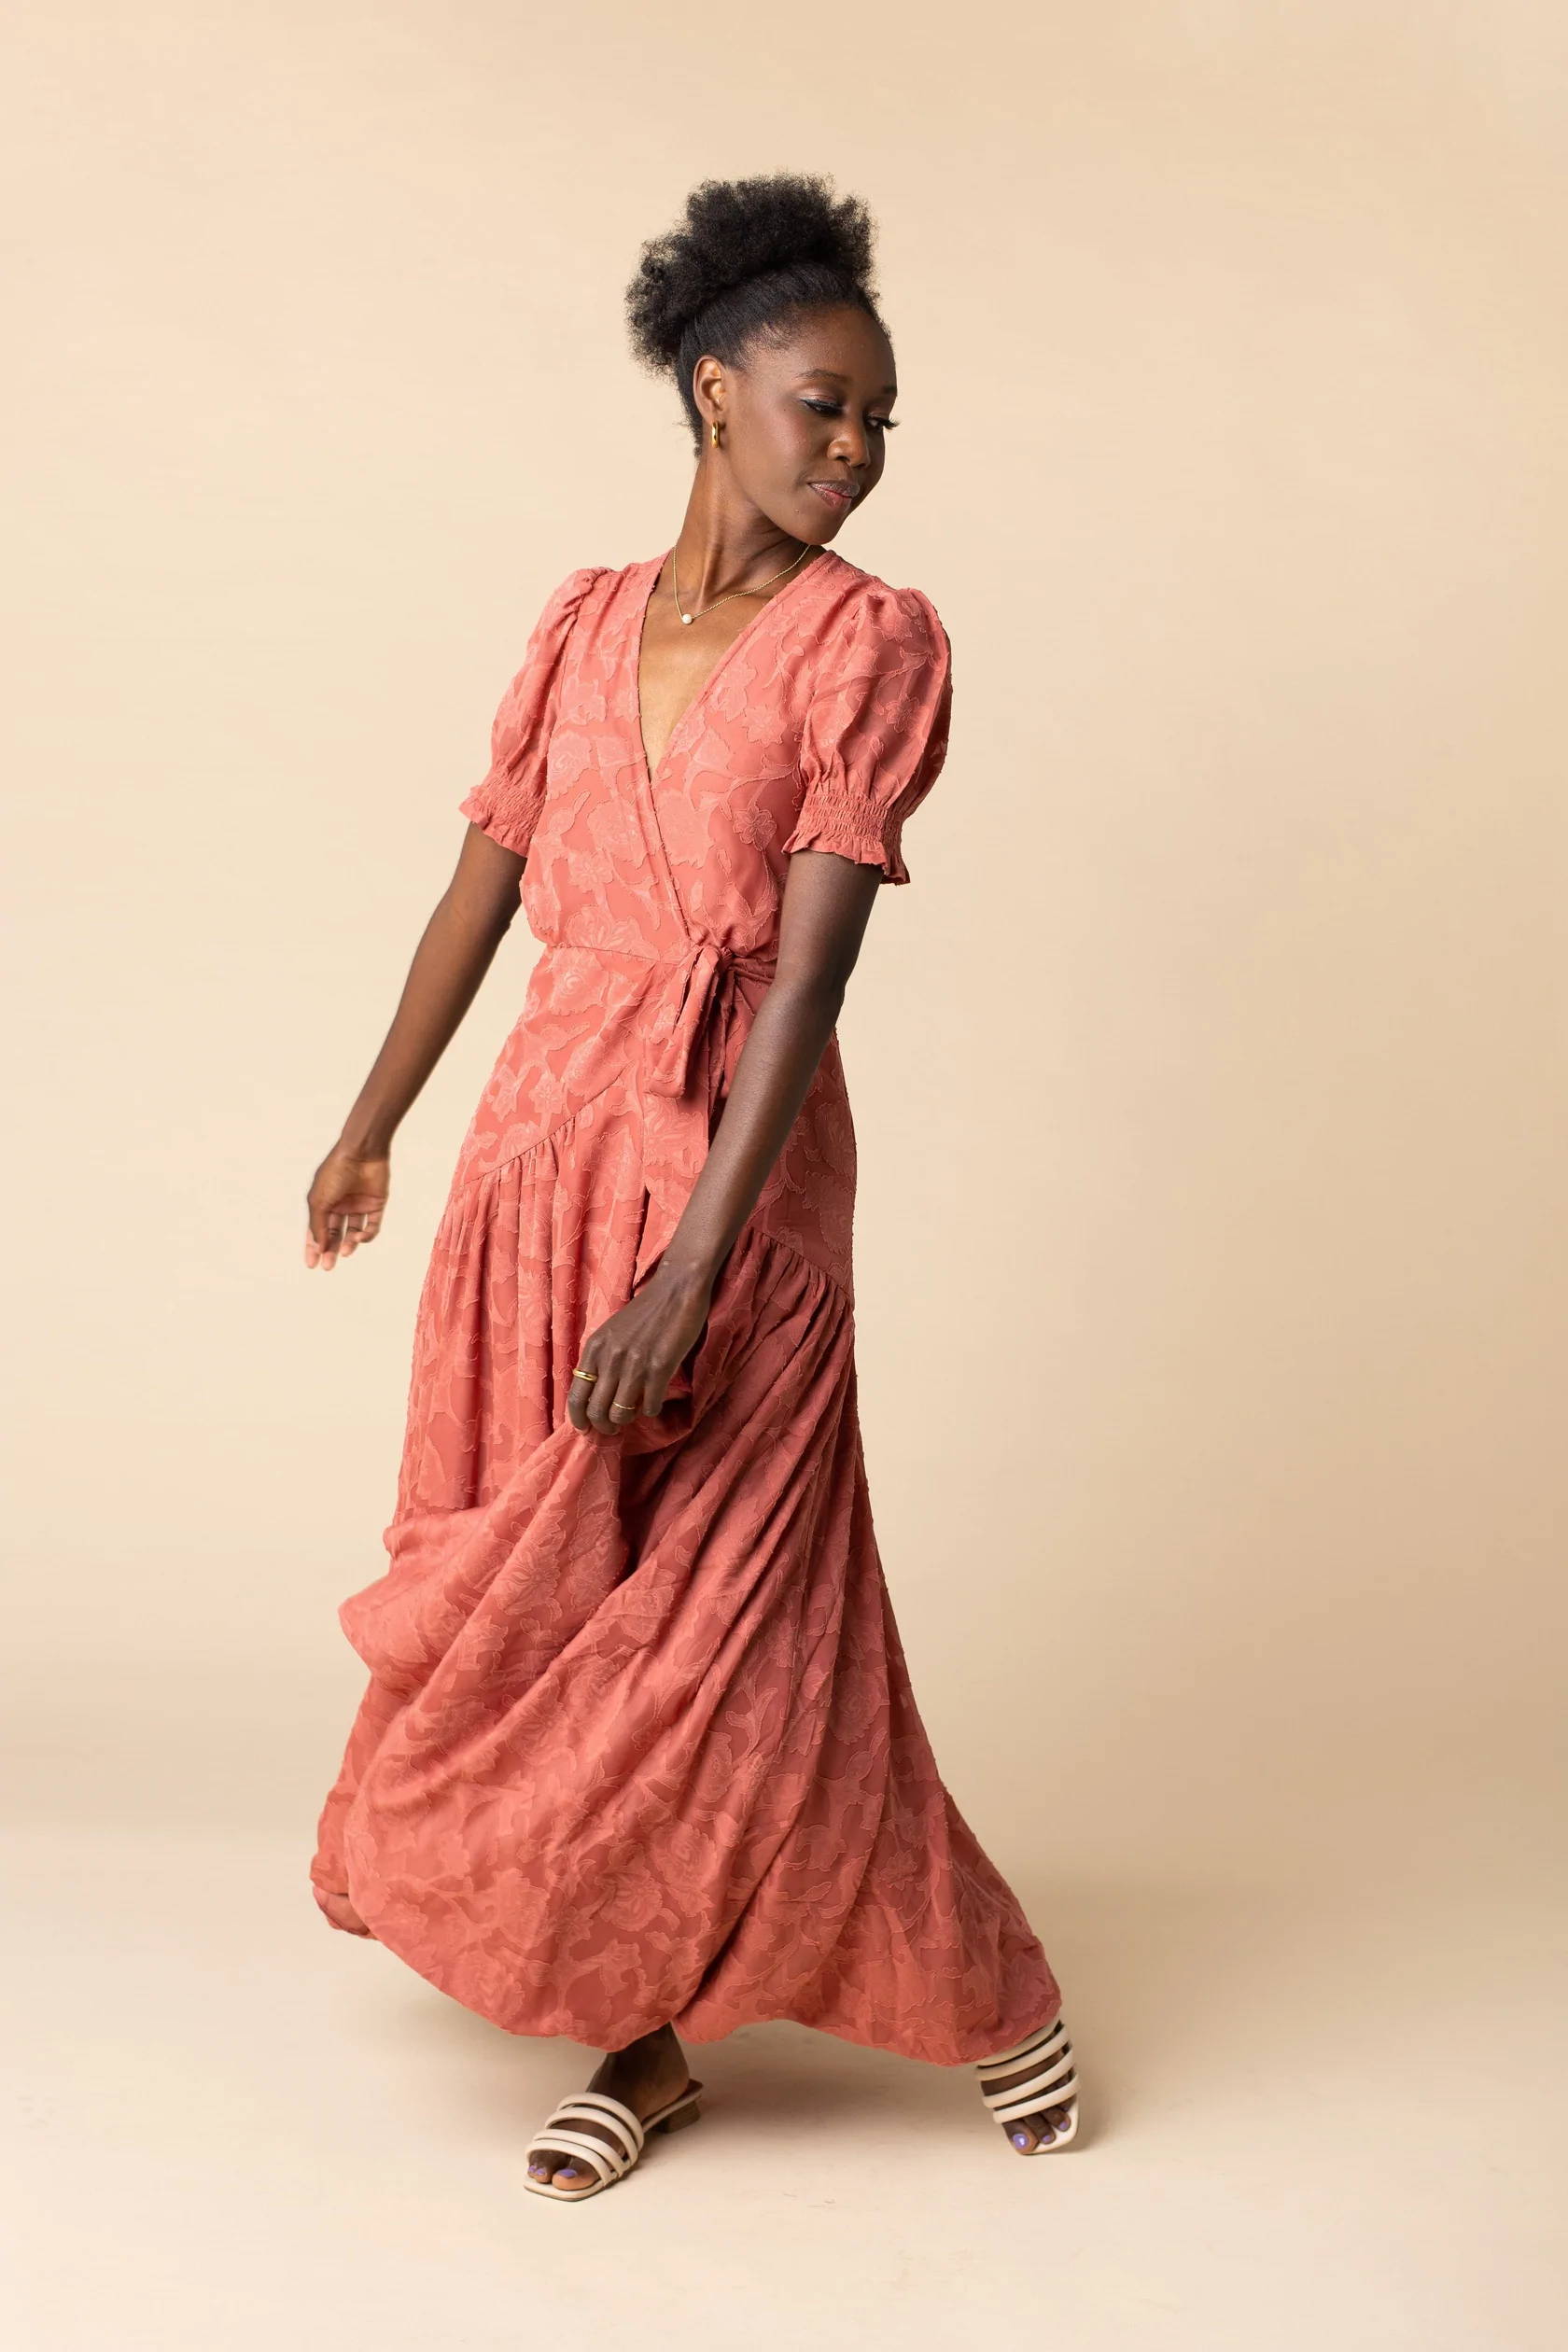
(687, 618)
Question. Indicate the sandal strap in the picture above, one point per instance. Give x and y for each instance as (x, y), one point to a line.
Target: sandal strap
(1034, 2099)
(1057, 2067)
(610, 2157)
(1049, 2080)
(1040, 2040)
(1058, 2062)
(598, 2106)
(606, 2162)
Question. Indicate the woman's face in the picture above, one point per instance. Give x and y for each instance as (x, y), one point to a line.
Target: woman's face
(804, 419)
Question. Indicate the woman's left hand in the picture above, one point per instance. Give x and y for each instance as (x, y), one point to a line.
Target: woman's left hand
(636, 1351)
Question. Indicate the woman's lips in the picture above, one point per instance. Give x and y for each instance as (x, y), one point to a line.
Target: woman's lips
(840, 498)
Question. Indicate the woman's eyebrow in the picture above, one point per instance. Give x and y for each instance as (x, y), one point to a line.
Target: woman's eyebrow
(832, 375)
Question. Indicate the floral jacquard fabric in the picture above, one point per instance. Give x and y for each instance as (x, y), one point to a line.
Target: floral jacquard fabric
(639, 1745)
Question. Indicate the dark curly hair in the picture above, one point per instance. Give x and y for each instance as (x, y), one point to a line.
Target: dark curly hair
(747, 259)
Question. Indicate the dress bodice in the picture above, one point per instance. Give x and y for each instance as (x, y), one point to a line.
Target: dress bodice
(657, 894)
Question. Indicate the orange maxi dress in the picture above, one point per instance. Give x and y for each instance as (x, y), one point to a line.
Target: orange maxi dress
(639, 1745)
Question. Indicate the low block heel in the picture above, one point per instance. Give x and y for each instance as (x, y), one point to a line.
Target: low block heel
(682, 2116)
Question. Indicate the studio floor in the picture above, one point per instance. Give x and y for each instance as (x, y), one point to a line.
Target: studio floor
(1315, 2116)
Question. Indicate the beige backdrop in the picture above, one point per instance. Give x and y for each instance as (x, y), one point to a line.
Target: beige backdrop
(1208, 1080)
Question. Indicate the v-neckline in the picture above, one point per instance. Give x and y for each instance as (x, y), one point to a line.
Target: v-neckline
(649, 770)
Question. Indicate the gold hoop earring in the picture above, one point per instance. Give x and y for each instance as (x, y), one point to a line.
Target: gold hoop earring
(713, 428)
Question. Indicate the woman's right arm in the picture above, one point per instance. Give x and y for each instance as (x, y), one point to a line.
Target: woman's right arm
(348, 1192)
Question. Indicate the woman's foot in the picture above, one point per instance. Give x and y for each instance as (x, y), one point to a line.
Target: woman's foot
(1030, 2131)
(341, 1913)
(644, 2076)
(1046, 2061)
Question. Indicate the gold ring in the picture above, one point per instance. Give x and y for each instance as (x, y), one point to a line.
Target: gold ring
(580, 1375)
(623, 1408)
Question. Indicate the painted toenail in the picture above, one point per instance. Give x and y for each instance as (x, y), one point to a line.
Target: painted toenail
(1020, 2139)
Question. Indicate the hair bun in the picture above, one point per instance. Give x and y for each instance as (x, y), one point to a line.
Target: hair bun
(735, 230)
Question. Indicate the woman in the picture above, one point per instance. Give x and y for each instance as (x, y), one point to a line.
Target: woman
(639, 1757)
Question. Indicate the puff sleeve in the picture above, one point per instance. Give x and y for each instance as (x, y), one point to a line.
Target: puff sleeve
(506, 802)
(875, 736)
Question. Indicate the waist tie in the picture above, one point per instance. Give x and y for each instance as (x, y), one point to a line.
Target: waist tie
(703, 970)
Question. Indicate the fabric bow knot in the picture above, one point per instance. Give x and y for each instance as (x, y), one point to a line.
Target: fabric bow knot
(701, 971)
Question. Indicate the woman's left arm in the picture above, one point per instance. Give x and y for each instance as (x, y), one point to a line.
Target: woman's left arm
(826, 905)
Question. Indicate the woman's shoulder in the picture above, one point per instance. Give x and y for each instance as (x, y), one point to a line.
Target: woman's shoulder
(577, 586)
(571, 607)
(870, 608)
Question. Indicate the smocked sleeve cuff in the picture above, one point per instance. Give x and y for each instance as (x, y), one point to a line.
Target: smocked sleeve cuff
(876, 739)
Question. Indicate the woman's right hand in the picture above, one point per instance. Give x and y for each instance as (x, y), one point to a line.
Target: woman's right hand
(344, 1206)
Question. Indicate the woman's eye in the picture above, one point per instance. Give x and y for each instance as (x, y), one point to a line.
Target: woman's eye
(835, 408)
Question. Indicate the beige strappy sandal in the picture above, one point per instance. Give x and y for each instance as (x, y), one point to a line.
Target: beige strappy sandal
(611, 2159)
(1051, 2082)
